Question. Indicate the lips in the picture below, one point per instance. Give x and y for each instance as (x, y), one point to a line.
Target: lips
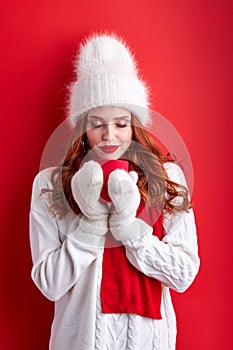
(109, 148)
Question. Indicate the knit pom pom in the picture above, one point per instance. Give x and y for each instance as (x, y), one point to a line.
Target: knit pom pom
(105, 54)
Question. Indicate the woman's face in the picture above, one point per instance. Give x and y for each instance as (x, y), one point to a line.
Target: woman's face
(109, 131)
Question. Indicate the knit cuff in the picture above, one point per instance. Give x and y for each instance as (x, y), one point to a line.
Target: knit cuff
(94, 227)
(85, 234)
(131, 231)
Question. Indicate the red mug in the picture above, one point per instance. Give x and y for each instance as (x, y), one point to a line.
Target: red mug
(108, 166)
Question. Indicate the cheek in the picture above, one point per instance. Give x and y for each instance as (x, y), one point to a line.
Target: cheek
(129, 134)
(92, 137)
(124, 134)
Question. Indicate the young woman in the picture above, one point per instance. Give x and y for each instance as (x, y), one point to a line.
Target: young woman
(109, 266)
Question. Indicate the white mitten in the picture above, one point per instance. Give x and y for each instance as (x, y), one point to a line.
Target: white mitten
(125, 196)
(86, 186)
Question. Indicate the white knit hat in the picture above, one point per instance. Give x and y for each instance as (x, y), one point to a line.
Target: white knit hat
(107, 76)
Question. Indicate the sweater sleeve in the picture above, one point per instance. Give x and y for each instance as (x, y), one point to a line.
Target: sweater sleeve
(174, 261)
(57, 263)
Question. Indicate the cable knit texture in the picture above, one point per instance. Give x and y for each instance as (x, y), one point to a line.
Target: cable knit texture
(67, 268)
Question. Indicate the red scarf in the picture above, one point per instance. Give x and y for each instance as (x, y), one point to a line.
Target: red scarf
(124, 289)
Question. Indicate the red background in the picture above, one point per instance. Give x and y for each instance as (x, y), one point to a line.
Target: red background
(185, 52)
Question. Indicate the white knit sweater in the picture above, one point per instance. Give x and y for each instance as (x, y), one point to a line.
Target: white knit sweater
(67, 268)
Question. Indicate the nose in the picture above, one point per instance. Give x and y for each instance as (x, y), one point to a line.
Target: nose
(109, 132)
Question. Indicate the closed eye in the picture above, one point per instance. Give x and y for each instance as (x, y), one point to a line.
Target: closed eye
(95, 124)
(122, 124)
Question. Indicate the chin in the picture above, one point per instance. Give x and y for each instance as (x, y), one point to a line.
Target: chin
(109, 156)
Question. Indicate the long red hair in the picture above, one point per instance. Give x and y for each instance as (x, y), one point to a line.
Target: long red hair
(144, 156)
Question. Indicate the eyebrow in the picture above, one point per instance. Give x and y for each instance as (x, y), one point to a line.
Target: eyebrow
(102, 119)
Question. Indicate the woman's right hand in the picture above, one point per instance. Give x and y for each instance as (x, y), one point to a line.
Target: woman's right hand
(86, 186)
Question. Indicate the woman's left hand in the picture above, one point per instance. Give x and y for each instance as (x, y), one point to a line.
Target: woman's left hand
(125, 196)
